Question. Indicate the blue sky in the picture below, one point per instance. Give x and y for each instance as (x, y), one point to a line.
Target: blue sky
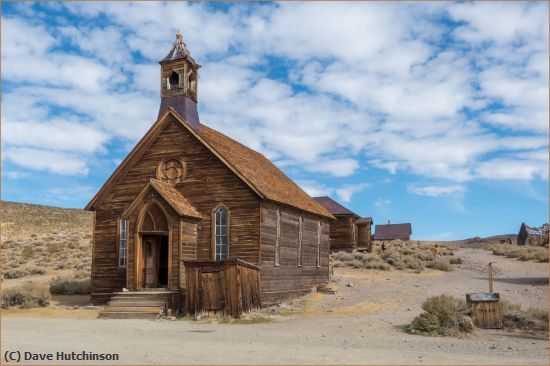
(430, 113)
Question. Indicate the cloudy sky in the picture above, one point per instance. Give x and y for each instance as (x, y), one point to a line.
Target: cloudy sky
(430, 113)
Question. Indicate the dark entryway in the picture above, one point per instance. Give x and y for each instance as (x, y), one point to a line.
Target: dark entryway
(155, 254)
(163, 262)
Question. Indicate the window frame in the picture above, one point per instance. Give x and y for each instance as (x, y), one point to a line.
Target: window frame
(277, 258)
(122, 258)
(214, 225)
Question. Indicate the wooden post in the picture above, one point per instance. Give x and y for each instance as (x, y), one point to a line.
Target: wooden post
(491, 277)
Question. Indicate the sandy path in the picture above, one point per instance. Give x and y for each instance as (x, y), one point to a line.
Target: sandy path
(358, 325)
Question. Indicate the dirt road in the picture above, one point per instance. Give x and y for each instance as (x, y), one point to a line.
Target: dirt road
(358, 325)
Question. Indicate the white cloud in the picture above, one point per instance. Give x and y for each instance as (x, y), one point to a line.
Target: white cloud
(396, 97)
(55, 134)
(513, 169)
(343, 193)
(335, 167)
(437, 190)
(313, 188)
(54, 161)
(346, 192)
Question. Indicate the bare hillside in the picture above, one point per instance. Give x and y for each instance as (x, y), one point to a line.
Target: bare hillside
(40, 240)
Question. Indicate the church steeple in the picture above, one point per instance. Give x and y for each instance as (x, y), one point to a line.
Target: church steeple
(179, 82)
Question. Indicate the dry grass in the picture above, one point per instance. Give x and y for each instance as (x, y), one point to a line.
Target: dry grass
(513, 316)
(412, 255)
(37, 239)
(27, 295)
(69, 286)
(524, 253)
(443, 315)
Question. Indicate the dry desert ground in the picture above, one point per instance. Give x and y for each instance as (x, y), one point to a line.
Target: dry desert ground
(360, 324)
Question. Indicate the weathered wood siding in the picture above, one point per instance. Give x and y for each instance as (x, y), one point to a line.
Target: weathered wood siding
(341, 233)
(288, 279)
(106, 277)
(230, 287)
(364, 237)
(208, 183)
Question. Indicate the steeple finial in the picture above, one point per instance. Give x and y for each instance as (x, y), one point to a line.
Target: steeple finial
(179, 50)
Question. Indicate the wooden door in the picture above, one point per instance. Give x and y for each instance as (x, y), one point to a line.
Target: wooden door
(212, 291)
(151, 261)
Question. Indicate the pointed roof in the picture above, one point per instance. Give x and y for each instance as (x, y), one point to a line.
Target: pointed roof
(179, 51)
(334, 207)
(170, 195)
(254, 169)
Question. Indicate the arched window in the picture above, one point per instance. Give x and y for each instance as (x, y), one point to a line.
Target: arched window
(173, 80)
(221, 233)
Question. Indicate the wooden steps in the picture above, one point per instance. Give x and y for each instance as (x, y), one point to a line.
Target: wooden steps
(137, 304)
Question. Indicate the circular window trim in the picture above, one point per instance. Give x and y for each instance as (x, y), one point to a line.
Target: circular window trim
(176, 180)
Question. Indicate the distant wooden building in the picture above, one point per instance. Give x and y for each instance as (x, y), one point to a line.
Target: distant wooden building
(188, 193)
(393, 231)
(343, 231)
(364, 236)
(531, 235)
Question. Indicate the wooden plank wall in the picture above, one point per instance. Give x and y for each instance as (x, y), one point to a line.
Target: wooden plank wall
(228, 287)
(364, 240)
(208, 183)
(341, 233)
(288, 279)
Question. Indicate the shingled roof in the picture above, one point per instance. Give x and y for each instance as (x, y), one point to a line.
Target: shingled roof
(364, 220)
(262, 173)
(170, 195)
(392, 231)
(252, 167)
(334, 207)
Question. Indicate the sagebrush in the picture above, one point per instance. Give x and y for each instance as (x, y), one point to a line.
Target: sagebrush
(27, 295)
(443, 315)
(61, 285)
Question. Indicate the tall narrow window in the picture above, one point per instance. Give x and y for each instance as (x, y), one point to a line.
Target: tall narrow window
(300, 239)
(278, 240)
(122, 243)
(319, 244)
(221, 233)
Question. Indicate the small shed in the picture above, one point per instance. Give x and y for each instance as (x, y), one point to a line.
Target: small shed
(486, 312)
(532, 235)
(364, 236)
(230, 287)
(343, 231)
(393, 231)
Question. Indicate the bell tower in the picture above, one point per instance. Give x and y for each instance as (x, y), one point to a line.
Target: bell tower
(179, 82)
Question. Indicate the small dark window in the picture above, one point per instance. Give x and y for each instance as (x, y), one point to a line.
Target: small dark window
(173, 80)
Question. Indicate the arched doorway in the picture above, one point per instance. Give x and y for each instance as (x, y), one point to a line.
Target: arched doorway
(153, 253)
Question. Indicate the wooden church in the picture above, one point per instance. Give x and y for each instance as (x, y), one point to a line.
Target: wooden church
(204, 221)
